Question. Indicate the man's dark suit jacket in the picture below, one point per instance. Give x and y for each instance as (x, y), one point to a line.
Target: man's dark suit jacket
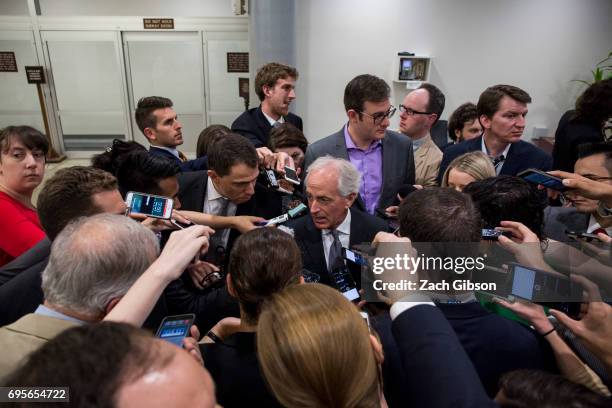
(494, 344)
(559, 219)
(440, 373)
(200, 163)
(234, 366)
(521, 156)
(363, 229)
(253, 125)
(23, 293)
(398, 164)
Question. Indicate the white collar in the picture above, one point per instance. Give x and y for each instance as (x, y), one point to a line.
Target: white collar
(344, 227)
(272, 121)
(169, 149)
(593, 225)
(485, 151)
(211, 192)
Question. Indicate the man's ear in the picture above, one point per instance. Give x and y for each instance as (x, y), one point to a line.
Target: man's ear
(213, 175)
(433, 118)
(485, 121)
(458, 135)
(350, 199)
(149, 133)
(353, 115)
(267, 91)
(111, 305)
(230, 287)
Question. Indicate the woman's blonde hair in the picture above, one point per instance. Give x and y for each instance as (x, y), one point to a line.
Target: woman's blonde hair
(315, 351)
(476, 164)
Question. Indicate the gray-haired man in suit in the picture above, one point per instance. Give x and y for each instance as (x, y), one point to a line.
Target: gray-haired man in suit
(384, 158)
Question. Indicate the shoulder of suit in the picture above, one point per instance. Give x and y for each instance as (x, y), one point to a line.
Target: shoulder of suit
(327, 140)
(530, 148)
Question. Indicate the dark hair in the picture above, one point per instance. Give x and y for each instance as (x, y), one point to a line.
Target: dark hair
(95, 360)
(508, 198)
(263, 262)
(209, 136)
(68, 195)
(287, 135)
(594, 106)
(439, 215)
(590, 149)
(142, 172)
(28, 136)
(231, 150)
(269, 74)
(488, 103)
(465, 113)
(436, 99)
(534, 388)
(111, 158)
(144, 111)
(364, 88)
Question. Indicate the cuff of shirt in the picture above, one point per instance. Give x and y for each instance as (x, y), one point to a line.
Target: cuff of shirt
(409, 302)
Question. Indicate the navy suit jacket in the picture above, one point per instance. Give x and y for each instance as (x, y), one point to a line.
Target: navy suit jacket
(253, 125)
(521, 156)
(363, 229)
(200, 163)
(440, 373)
(559, 219)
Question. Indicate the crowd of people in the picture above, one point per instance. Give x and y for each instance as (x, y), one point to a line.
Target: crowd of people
(282, 315)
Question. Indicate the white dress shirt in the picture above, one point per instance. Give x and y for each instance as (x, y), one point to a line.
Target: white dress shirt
(504, 153)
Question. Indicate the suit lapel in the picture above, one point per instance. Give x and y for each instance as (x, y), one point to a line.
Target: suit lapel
(388, 152)
(313, 246)
(513, 161)
(263, 124)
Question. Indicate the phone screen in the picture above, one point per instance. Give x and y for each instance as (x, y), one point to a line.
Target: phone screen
(537, 286)
(353, 257)
(175, 328)
(544, 179)
(291, 175)
(345, 283)
(153, 206)
(490, 234)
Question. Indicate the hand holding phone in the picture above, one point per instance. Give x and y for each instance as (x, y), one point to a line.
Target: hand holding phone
(175, 328)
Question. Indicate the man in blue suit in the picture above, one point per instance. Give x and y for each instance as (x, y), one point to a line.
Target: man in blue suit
(158, 122)
(502, 110)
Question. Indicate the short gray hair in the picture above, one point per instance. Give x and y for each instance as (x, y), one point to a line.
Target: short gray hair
(349, 178)
(95, 259)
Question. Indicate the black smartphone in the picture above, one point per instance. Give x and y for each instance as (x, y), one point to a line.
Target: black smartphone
(344, 282)
(538, 286)
(490, 234)
(536, 176)
(175, 328)
(291, 176)
(581, 235)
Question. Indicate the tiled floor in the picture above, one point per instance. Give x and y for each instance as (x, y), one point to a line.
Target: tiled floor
(51, 168)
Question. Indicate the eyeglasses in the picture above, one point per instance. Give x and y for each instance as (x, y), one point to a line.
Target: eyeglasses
(412, 112)
(378, 118)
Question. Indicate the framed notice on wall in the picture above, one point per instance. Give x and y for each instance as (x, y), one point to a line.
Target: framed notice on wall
(8, 63)
(237, 62)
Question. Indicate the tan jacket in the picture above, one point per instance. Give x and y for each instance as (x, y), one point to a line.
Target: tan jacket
(19, 339)
(427, 161)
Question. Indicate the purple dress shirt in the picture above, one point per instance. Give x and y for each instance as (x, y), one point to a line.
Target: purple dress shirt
(369, 163)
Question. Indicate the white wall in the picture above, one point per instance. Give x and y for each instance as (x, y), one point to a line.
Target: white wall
(538, 45)
(14, 8)
(171, 8)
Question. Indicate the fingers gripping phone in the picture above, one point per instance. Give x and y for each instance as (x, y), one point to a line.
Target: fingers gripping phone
(149, 205)
(175, 328)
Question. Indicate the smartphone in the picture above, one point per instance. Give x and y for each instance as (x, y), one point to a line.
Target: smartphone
(149, 205)
(538, 286)
(291, 176)
(581, 235)
(490, 234)
(536, 176)
(271, 177)
(354, 257)
(297, 210)
(175, 328)
(344, 282)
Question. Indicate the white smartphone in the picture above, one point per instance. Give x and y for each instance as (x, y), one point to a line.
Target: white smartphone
(291, 176)
(149, 205)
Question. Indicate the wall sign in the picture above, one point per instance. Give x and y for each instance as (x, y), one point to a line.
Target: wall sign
(35, 75)
(237, 62)
(8, 63)
(158, 23)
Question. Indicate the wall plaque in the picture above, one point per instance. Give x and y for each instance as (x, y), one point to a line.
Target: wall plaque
(158, 23)
(8, 63)
(237, 62)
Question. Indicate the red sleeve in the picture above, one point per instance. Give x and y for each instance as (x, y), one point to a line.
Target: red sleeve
(20, 227)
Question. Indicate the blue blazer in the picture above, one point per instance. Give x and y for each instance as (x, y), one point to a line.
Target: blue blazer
(198, 164)
(521, 156)
(253, 125)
